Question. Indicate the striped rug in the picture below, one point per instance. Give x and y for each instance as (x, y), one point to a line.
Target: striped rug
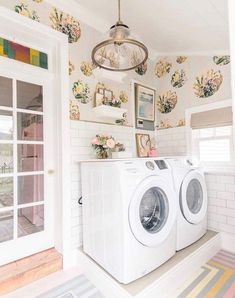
(216, 279)
(78, 287)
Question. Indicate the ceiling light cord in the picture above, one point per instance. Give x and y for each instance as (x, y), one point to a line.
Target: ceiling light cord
(119, 11)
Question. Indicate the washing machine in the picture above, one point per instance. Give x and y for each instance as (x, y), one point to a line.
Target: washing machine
(191, 191)
(129, 215)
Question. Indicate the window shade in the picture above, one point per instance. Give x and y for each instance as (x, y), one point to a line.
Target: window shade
(212, 118)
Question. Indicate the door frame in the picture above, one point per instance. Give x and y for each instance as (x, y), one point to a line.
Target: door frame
(38, 36)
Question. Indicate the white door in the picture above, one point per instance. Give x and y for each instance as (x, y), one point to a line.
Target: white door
(193, 198)
(152, 211)
(26, 162)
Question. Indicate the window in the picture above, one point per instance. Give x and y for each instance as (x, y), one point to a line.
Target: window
(211, 136)
(213, 144)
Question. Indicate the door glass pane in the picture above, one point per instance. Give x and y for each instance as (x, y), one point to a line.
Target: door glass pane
(29, 96)
(154, 210)
(6, 92)
(30, 127)
(6, 158)
(30, 158)
(30, 220)
(194, 196)
(6, 125)
(6, 192)
(30, 189)
(6, 226)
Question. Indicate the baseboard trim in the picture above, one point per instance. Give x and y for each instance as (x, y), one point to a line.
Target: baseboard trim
(228, 242)
(111, 288)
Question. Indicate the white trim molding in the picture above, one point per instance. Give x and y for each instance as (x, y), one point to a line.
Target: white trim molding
(35, 35)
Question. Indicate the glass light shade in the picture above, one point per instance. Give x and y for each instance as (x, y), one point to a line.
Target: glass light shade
(120, 51)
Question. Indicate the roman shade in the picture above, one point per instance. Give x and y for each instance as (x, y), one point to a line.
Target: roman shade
(212, 118)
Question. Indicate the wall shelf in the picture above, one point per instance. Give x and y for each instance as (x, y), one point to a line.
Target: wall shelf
(104, 111)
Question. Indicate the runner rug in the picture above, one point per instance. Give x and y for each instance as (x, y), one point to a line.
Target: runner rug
(216, 279)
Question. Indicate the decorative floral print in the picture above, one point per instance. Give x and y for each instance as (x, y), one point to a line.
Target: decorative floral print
(221, 60)
(81, 91)
(162, 68)
(87, 68)
(65, 24)
(181, 122)
(167, 102)
(123, 97)
(178, 79)
(165, 124)
(71, 68)
(74, 110)
(25, 11)
(181, 59)
(206, 85)
(141, 70)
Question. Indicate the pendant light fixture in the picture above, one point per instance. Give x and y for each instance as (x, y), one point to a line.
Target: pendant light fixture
(120, 51)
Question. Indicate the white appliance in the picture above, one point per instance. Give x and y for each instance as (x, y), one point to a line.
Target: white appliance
(129, 215)
(192, 201)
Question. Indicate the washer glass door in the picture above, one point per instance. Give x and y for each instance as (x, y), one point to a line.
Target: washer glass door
(154, 210)
(194, 196)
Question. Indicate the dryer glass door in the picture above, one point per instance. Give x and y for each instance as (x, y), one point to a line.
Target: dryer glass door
(193, 198)
(152, 211)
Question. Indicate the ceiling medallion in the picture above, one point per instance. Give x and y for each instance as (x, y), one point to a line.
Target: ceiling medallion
(120, 51)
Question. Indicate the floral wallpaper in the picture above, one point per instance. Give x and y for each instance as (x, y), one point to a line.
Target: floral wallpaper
(200, 80)
(181, 81)
(84, 76)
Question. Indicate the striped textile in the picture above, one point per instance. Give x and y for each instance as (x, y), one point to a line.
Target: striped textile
(216, 279)
(78, 287)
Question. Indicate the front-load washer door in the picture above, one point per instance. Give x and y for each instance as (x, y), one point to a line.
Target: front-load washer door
(193, 197)
(152, 211)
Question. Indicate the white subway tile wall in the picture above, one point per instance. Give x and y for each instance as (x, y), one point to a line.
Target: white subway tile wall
(171, 141)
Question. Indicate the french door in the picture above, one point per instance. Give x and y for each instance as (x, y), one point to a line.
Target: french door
(26, 163)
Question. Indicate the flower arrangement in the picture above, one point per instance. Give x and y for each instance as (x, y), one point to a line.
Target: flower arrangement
(87, 68)
(178, 79)
(221, 60)
(206, 85)
(167, 102)
(81, 91)
(25, 11)
(115, 102)
(65, 24)
(181, 59)
(162, 68)
(103, 144)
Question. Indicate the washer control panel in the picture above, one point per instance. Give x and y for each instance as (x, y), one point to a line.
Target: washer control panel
(161, 164)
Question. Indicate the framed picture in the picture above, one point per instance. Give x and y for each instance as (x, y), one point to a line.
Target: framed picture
(108, 94)
(145, 103)
(143, 144)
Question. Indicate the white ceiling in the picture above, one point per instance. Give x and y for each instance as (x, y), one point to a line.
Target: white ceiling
(170, 26)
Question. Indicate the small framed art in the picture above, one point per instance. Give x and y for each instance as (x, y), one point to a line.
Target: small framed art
(143, 144)
(145, 107)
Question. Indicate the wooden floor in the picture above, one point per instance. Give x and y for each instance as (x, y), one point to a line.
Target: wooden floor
(22, 272)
